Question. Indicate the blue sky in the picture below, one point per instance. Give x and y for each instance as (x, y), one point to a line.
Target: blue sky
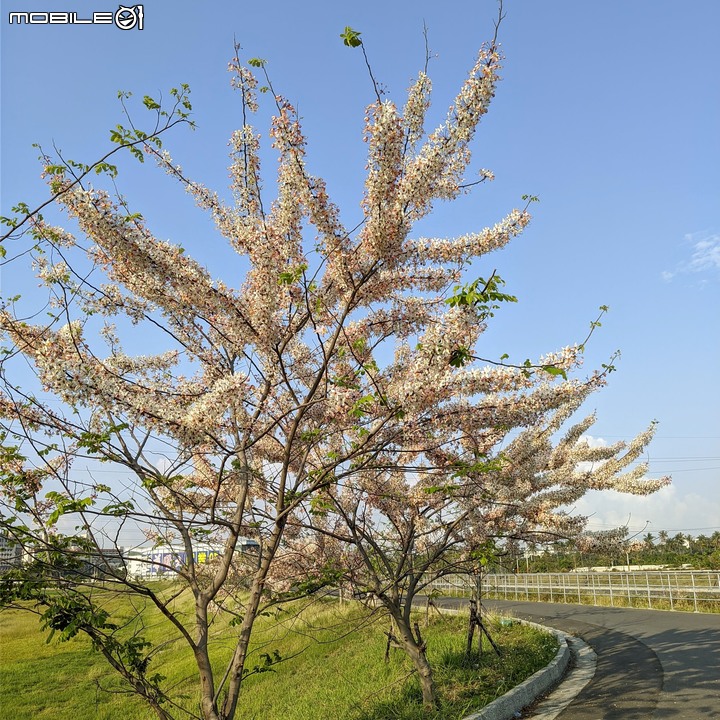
(609, 112)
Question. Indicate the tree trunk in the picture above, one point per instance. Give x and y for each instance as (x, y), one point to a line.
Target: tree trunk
(237, 664)
(207, 682)
(414, 647)
(241, 649)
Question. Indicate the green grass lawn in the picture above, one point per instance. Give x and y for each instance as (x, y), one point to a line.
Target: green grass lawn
(333, 668)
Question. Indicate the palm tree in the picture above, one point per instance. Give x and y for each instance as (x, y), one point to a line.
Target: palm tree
(715, 540)
(679, 542)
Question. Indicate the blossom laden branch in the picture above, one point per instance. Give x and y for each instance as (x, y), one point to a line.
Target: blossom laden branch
(125, 139)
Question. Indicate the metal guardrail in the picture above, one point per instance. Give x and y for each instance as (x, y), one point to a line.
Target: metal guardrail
(696, 590)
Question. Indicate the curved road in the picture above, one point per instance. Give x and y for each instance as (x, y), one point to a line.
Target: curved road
(651, 664)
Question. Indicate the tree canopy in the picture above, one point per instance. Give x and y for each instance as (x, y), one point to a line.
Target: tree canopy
(333, 405)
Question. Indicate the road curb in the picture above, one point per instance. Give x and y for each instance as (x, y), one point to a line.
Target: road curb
(510, 705)
(512, 702)
(580, 674)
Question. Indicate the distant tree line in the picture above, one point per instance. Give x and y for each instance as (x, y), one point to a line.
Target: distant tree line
(700, 552)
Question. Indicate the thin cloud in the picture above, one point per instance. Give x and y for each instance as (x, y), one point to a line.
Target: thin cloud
(704, 258)
(668, 508)
(706, 254)
(594, 442)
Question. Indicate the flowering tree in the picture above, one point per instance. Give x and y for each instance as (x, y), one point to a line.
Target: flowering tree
(338, 382)
(391, 530)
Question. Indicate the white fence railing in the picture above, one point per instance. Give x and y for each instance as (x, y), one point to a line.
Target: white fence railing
(697, 590)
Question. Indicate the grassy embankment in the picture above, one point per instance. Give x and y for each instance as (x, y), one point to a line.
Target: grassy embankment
(334, 668)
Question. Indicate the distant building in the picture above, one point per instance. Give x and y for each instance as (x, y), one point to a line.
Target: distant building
(166, 559)
(10, 553)
(106, 562)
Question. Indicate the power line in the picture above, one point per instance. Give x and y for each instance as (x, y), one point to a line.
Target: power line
(652, 530)
(664, 437)
(690, 458)
(679, 470)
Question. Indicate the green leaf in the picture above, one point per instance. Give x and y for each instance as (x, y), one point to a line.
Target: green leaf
(482, 465)
(552, 370)
(118, 509)
(435, 489)
(21, 208)
(459, 357)
(137, 153)
(350, 37)
(360, 407)
(65, 505)
(292, 276)
(310, 435)
(257, 62)
(150, 104)
(97, 442)
(484, 295)
(104, 167)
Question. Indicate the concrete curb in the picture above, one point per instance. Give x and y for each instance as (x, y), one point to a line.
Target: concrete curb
(509, 705)
(581, 673)
(512, 702)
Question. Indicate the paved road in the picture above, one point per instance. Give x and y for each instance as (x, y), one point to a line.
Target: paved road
(651, 665)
